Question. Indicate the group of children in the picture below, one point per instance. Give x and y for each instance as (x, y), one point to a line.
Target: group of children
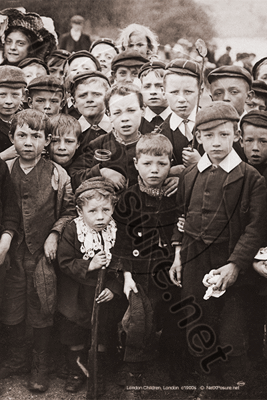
(104, 169)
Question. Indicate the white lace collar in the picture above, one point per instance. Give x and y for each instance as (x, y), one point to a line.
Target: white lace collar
(91, 240)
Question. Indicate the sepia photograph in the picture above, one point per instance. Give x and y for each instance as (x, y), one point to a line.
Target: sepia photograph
(133, 199)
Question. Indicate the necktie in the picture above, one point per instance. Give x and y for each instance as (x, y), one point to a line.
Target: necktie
(188, 133)
(157, 120)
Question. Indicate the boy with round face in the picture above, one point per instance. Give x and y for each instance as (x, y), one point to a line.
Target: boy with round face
(157, 110)
(46, 94)
(231, 84)
(88, 96)
(65, 139)
(81, 61)
(55, 63)
(33, 68)
(224, 203)
(126, 65)
(181, 86)
(12, 90)
(104, 50)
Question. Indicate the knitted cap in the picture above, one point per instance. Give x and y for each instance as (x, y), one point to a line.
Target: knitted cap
(12, 77)
(97, 182)
(215, 114)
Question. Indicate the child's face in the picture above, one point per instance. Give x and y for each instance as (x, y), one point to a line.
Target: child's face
(96, 213)
(152, 90)
(16, 47)
(254, 143)
(57, 71)
(256, 103)
(138, 42)
(46, 102)
(9, 101)
(262, 74)
(63, 147)
(231, 90)
(153, 169)
(89, 99)
(181, 92)
(29, 143)
(218, 142)
(33, 71)
(125, 115)
(80, 64)
(126, 74)
(104, 54)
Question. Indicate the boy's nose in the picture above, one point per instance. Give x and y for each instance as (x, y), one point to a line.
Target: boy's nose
(226, 96)
(62, 145)
(255, 146)
(8, 99)
(13, 46)
(28, 141)
(100, 215)
(181, 99)
(47, 105)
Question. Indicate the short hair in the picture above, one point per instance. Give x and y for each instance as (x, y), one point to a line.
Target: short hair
(126, 33)
(167, 73)
(64, 123)
(36, 120)
(35, 64)
(55, 61)
(154, 144)
(159, 73)
(124, 90)
(94, 79)
(90, 194)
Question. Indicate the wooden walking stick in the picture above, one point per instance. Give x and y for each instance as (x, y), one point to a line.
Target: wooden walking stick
(92, 355)
(202, 51)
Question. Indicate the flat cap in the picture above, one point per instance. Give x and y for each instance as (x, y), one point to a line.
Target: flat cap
(259, 87)
(97, 182)
(28, 61)
(107, 41)
(60, 53)
(128, 58)
(77, 19)
(47, 83)
(12, 77)
(154, 64)
(185, 67)
(215, 114)
(84, 53)
(257, 65)
(256, 118)
(84, 75)
(230, 71)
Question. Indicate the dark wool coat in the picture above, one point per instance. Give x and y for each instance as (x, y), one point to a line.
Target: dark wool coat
(244, 195)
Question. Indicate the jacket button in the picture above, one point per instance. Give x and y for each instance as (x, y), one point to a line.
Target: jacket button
(135, 253)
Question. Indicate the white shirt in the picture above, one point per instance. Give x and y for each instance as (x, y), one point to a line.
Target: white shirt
(104, 124)
(231, 161)
(177, 122)
(149, 114)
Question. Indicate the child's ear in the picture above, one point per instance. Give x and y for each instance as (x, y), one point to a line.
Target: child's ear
(72, 100)
(79, 211)
(198, 137)
(11, 138)
(250, 95)
(241, 141)
(201, 89)
(135, 163)
(237, 135)
(30, 102)
(48, 140)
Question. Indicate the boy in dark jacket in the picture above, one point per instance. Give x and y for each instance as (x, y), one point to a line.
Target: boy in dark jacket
(224, 203)
(144, 216)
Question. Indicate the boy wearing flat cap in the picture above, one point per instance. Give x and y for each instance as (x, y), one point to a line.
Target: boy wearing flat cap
(224, 203)
(46, 94)
(259, 98)
(181, 82)
(104, 50)
(88, 91)
(12, 89)
(157, 110)
(33, 68)
(126, 65)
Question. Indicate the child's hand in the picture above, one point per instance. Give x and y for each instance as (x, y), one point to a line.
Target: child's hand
(105, 295)
(50, 246)
(261, 267)
(5, 242)
(175, 273)
(98, 261)
(9, 153)
(129, 284)
(117, 178)
(171, 185)
(190, 157)
(228, 275)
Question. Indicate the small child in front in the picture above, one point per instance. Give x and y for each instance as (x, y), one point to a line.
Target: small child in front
(144, 216)
(83, 250)
(46, 204)
(224, 203)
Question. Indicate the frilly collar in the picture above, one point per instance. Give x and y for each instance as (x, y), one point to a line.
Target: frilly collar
(154, 192)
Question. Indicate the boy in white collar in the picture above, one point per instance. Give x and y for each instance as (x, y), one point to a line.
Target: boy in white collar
(223, 200)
